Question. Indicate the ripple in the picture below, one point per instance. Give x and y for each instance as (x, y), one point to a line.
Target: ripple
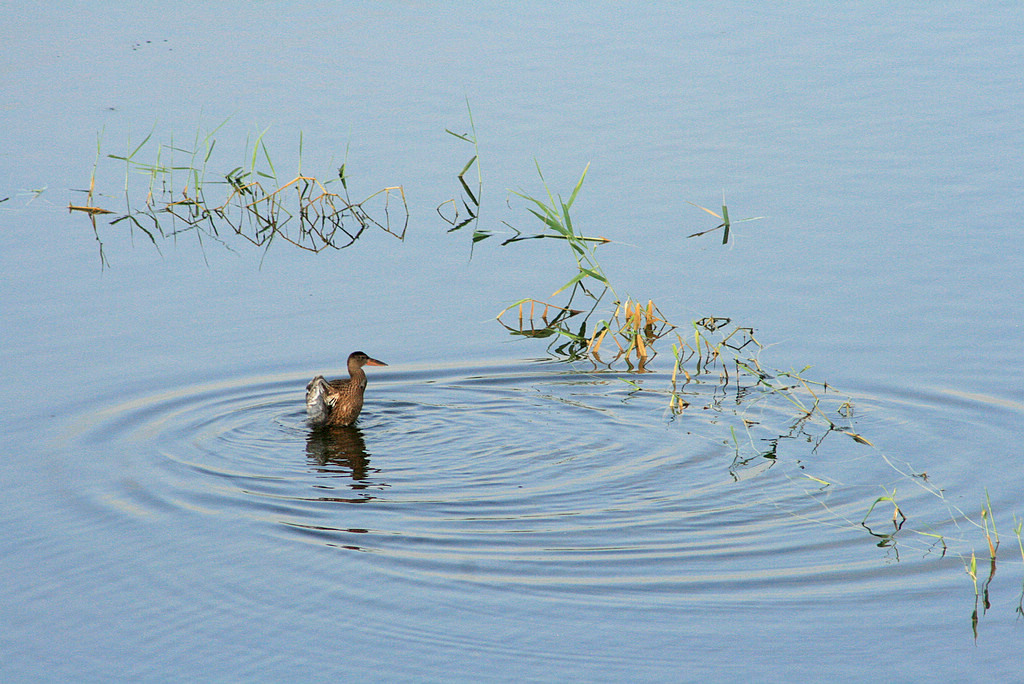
(541, 478)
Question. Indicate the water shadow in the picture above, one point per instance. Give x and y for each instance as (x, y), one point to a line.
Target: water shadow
(340, 452)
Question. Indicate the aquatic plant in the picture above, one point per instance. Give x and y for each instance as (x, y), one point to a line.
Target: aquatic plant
(470, 200)
(586, 319)
(632, 327)
(253, 202)
(989, 523)
(724, 216)
(1018, 525)
(633, 330)
(982, 598)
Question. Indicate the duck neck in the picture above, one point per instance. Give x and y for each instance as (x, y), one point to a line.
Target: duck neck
(357, 374)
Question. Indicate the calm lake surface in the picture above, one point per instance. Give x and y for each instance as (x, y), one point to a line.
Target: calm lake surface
(500, 514)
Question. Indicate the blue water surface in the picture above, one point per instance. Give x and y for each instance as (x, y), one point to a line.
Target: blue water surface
(499, 515)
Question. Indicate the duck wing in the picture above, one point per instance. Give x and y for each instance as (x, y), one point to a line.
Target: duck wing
(319, 400)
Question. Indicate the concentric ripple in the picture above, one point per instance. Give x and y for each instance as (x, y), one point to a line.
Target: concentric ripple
(539, 477)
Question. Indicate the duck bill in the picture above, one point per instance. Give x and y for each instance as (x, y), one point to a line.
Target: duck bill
(374, 362)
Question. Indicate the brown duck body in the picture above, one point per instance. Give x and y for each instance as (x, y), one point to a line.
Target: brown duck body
(338, 402)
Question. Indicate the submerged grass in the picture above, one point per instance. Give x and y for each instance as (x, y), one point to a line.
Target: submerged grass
(251, 202)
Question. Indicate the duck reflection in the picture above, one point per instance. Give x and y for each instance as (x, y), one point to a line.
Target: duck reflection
(339, 451)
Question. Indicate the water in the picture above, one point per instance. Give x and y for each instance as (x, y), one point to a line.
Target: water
(496, 514)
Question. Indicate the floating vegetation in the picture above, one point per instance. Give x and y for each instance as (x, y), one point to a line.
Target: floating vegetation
(250, 201)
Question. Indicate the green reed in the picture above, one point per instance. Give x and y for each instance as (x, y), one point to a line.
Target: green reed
(633, 329)
(248, 201)
(470, 199)
(724, 217)
(578, 328)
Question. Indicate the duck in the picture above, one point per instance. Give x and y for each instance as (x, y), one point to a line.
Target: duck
(337, 403)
